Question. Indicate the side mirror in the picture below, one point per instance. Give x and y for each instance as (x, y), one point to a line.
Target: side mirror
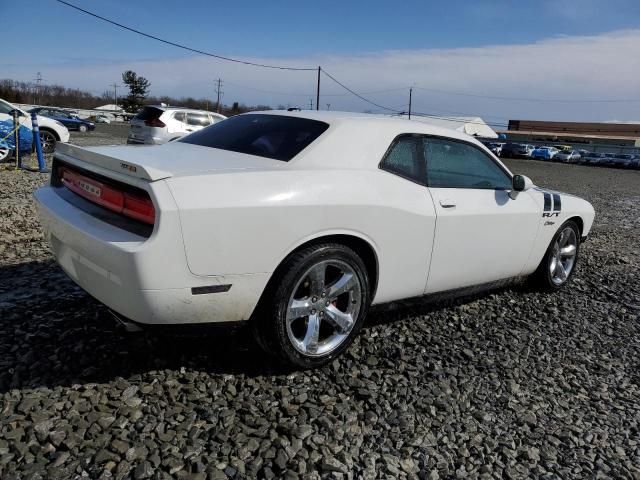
(518, 183)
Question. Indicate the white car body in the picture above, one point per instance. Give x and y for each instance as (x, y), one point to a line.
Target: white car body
(226, 220)
(56, 127)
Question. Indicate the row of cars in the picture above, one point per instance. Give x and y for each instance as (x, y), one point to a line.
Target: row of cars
(563, 153)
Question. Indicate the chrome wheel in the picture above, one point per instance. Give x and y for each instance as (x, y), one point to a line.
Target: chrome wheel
(324, 307)
(47, 141)
(4, 153)
(563, 256)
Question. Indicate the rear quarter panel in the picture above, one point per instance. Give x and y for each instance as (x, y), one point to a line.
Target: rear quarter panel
(248, 222)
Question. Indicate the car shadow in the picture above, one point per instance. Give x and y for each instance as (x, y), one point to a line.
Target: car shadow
(54, 334)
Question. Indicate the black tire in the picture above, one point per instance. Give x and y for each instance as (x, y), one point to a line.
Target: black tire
(542, 278)
(270, 324)
(48, 141)
(82, 128)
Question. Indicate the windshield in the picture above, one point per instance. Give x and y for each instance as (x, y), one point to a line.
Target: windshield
(278, 137)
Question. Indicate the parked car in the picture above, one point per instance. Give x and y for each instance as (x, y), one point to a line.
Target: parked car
(593, 158)
(284, 219)
(68, 119)
(102, 119)
(495, 147)
(622, 160)
(157, 124)
(544, 153)
(517, 150)
(563, 148)
(51, 131)
(572, 156)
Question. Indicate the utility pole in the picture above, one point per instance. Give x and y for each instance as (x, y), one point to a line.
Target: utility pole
(410, 93)
(318, 91)
(38, 85)
(310, 104)
(219, 92)
(328, 106)
(115, 93)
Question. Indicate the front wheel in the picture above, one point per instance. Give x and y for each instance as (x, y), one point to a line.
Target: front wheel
(82, 128)
(316, 306)
(48, 141)
(559, 261)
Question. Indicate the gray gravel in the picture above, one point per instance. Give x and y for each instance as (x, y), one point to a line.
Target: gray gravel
(510, 383)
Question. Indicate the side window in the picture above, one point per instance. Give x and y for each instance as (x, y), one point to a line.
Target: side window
(198, 119)
(180, 116)
(405, 159)
(452, 164)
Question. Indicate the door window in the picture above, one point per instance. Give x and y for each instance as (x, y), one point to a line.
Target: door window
(180, 116)
(198, 119)
(453, 164)
(404, 158)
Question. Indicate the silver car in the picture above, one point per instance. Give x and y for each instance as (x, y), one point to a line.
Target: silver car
(157, 124)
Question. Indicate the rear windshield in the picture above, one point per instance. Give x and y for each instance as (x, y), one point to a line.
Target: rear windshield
(149, 113)
(272, 136)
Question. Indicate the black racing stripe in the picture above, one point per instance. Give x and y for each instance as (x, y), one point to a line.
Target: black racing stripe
(557, 203)
(547, 202)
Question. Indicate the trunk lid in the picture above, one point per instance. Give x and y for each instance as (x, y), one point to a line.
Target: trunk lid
(157, 162)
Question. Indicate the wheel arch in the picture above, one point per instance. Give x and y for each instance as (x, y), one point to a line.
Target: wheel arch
(579, 221)
(360, 245)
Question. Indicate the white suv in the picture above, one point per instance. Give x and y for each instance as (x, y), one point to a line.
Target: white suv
(156, 124)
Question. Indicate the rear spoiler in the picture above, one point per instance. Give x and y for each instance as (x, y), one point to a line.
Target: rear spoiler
(69, 152)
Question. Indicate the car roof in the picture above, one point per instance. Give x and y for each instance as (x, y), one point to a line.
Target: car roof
(182, 109)
(393, 122)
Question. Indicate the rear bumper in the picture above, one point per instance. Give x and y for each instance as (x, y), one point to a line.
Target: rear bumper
(146, 280)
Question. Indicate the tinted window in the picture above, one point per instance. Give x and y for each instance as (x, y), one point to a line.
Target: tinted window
(452, 164)
(272, 136)
(180, 116)
(149, 113)
(198, 119)
(404, 158)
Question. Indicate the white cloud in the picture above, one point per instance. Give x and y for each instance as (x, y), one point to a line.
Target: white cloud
(568, 68)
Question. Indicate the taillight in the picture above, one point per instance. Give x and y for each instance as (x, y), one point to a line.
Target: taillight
(154, 122)
(137, 206)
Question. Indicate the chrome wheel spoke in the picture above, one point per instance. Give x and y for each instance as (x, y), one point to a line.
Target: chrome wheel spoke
(310, 340)
(298, 309)
(568, 251)
(344, 284)
(560, 271)
(342, 320)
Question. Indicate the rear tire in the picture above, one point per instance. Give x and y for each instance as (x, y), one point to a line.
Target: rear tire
(560, 259)
(82, 128)
(314, 306)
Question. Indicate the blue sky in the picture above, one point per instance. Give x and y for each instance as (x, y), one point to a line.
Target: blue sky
(549, 49)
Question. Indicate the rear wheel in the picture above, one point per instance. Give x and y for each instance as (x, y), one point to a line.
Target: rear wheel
(48, 141)
(560, 260)
(316, 306)
(82, 128)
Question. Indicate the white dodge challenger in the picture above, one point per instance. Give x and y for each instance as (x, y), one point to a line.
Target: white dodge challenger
(298, 222)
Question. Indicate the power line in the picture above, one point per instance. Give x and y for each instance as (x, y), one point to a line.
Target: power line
(357, 94)
(184, 47)
(524, 99)
(273, 92)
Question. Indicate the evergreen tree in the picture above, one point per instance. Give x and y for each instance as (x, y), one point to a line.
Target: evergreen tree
(138, 91)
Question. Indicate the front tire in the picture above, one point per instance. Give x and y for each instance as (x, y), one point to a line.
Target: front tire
(82, 128)
(48, 141)
(559, 261)
(315, 306)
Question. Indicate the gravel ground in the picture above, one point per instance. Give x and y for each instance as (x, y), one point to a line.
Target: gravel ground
(511, 383)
